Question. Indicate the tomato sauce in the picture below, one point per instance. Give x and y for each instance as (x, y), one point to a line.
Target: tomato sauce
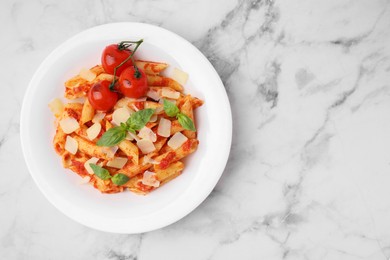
(102, 131)
(88, 124)
(79, 167)
(167, 160)
(187, 145)
(72, 113)
(139, 105)
(143, 187)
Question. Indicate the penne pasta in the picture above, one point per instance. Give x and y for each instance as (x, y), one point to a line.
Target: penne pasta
(77, 86)
(59, 141)
(72, 110)
(158, 145)
(163, 176)
(123, 102)
(105, 186)
(151, 67)
(131, 169)
(186, 109)
(176, 127)
(91, 149)
(87, 113)
(173, 156)
(103, 76)
(82, 132)
(154, 105)
(130, 149)
(156, 80)
(196, 102)
(169, 173)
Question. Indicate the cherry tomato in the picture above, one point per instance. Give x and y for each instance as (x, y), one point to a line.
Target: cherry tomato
(112, 56)
(133, 85)
(101, 97)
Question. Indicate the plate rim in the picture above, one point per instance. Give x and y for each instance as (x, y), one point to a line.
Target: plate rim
(152, 226)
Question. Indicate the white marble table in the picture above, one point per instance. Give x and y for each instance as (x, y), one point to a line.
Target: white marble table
(309, 171)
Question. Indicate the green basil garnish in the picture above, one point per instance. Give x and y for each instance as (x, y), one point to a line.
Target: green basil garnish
(135, 122)
(102, 173)
(173, 111)
(119, 179)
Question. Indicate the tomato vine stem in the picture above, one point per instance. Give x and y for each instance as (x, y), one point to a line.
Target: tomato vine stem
(121, 46)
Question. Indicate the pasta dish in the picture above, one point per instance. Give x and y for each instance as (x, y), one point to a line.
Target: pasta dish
(126, 125)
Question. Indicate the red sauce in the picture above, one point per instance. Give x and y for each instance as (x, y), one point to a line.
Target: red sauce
(187, 145)
(167, 160)
(77, 89)
(109, 117)
(139, 105)
(72, 113)
(79, 167)
(89, 124)
(100, 133)
(165, 81)
(154, 68)
(143, 187)
(57, 147)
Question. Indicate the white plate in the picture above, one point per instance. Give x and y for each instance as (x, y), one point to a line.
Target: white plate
(126, 212)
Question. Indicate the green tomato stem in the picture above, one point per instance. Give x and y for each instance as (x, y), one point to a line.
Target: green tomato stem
(120, 45)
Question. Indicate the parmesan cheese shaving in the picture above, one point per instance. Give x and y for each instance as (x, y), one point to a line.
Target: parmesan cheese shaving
(166, 92)
(180, 76)
(120, 115)
(110, 151)
(93, 160)
(147, 133)
(122, 103)
(56, 107)
(94, 131)
(177, 140)
(69, 125)
(153, 95)
(98, 117)
(130, 136)
(71, 145)
(87, 74)
(114, 149)
(149, 178)
(117, 162)
(84, 180)
(153, 118)
(164, 127)
(146, 146)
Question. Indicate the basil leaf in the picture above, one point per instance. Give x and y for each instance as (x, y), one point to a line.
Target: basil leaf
(170, 108)
(132, 130)
(139, 119)
(120, 179)
(102, 173)
(112, 137)
(186, 122)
